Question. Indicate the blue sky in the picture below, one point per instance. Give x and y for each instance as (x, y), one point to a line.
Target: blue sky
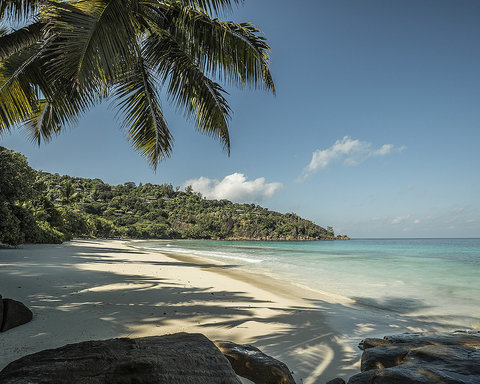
(374, 129)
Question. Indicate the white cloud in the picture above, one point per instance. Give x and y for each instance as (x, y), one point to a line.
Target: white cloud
(400, 219)
(416, 221)
(385, 149)
(458, 210)
(234, 187)
(379, 218)
(352, 152)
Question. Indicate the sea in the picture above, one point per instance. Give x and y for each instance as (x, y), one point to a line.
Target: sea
(414, 277)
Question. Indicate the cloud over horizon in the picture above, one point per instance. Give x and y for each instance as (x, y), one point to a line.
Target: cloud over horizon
(400, 219)
(352, 152)
(234, 187)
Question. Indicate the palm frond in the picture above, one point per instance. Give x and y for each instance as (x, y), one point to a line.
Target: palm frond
(212, 6)
(90, 48)
(189, 87)
(28, 95)
(138, 103)
(44, 123)
(78, 52)
(62, 107)
(236, 53)
(16, 41)
(18, 93)
(18, 9)
(17, 102)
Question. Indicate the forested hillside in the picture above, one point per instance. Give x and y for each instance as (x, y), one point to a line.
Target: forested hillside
(40, 207)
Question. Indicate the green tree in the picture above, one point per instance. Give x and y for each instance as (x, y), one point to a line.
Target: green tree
(330, 231)
(68, 193)
(77, 53)
(16, 187)
(16, 176)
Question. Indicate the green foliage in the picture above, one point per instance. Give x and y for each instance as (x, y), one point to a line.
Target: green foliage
(10, 232)
(17, 178)
(160, 211)
(16, 186)
(46, 234)
(40, 207)
(77, 53)
(330, 231)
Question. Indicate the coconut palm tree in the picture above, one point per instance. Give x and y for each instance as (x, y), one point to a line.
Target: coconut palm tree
(68, 193)
(74, 54)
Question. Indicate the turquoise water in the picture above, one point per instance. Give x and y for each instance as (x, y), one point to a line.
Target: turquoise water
(436, 277)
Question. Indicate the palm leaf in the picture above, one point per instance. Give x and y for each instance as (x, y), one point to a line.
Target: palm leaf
(18, 93)
(236, 53)
(216, 6)
(137, 100)
(90, 49)
(28, 94)
(189, 87)
(43, 123)
(62, 107)
(18, 9)
(79, 51)
(17, 102)
(16, 41)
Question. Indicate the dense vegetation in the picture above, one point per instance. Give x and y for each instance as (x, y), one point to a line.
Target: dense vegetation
(40, 207)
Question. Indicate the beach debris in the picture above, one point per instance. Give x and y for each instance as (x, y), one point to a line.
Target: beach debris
(13, 314)
(250, 362)
(442, 358)
(181, 358)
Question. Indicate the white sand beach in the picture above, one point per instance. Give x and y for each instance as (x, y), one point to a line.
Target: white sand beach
(100, 289)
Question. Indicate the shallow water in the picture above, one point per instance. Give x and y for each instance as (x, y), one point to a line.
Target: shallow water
(415, 277)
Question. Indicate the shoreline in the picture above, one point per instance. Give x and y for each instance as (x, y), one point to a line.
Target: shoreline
(100, 289)
(239, 272)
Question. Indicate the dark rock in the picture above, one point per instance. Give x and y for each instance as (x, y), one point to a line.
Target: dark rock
(384, 356)
(15, 313)
(396, 376)
(372, 342)
(445, 358)
(338, 380)
(425, 338)
(181, 358)
(249, 362)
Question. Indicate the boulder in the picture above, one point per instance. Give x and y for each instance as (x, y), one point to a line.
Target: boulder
(424, 338)
(15, 313)
(180, 358)
(384, 356)
(443, 358)
(338, 380)
(373, 342)
(249, 362)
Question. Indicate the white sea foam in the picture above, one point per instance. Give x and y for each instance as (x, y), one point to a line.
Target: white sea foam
(211, 254)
